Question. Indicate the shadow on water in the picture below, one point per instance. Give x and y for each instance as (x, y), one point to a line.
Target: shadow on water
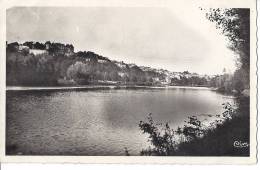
(62, 122)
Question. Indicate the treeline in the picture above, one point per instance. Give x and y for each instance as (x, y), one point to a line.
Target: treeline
(54, 64)
(234, 24)
(190, 81)
(37, 64)
(230, 83)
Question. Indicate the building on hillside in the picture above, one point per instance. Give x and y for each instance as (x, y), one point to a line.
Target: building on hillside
(23, 47)
(37, 51)
(121, 74)
(177, 76)
(121, 64)
(132, 65)
(47, 45)
(102, 61)
(156, 79)
(168, 80)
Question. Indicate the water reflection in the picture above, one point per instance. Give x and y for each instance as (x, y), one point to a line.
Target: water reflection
(97, 122)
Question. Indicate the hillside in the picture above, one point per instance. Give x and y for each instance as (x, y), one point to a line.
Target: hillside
(54, 64)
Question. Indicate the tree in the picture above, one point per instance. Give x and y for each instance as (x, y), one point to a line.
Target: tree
(235, 25)
(39, 46)
(12, 47)
(29, 44)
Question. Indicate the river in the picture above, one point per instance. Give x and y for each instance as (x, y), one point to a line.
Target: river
(97, 122)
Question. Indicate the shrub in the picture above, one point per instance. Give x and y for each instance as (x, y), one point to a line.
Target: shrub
(166, 141)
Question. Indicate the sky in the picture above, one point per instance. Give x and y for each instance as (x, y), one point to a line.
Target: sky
(176, 39)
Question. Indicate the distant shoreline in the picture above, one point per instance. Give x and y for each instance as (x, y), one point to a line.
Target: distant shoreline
(99, 87)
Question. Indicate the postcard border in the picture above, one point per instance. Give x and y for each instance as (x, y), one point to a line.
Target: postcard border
(135, 159)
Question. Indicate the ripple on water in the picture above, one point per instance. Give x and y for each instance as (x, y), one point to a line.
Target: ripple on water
(97, 122)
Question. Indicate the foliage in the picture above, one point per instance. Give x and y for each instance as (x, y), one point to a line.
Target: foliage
(12, 47)
(190, 81)
(162, 139)
(60, 65)
(235, 25)
(23, 69)
(166, 141)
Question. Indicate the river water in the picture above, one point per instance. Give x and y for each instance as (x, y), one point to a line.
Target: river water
(97, 122)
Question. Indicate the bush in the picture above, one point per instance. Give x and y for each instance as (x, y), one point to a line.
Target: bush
(162, 139)
(195, 138)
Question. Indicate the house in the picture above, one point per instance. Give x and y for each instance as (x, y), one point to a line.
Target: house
(23, 47)
(168, 80)
(102, 61)
(156, 79)
(121, 74)
(120, 64)
(37, 51)
(47, 45)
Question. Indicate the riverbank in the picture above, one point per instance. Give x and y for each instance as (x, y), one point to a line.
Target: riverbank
(99, 87)
(228, 137)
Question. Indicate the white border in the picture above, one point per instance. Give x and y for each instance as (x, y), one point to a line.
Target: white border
(5, 4)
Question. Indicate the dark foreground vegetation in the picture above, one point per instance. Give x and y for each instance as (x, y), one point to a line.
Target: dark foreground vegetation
(227, 135)
(231, 138)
